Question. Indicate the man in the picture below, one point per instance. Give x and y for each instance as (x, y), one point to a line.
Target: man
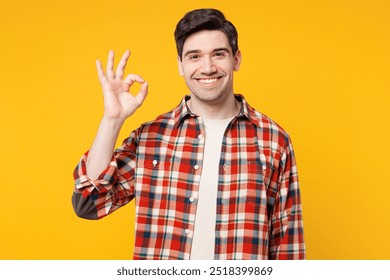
(213, 178)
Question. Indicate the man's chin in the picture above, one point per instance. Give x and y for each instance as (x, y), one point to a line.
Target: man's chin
(208, 97)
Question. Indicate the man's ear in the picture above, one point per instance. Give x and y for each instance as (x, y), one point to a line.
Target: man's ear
(180, 66)
(237, 61)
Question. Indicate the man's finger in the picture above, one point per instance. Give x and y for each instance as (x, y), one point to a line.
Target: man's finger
(110, 65)
(131, 78)
(143, 92)
(100, 71)
(120, 69)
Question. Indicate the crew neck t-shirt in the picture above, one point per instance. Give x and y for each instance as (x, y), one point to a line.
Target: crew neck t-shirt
(204, 231)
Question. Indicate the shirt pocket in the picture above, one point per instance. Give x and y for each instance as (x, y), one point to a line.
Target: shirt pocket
(258, 180)
(153, 179)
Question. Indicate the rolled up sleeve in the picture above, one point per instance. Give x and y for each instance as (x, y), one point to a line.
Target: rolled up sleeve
(114, 187)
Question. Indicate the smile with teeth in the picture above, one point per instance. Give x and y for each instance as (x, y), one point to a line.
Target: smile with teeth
(208, 81)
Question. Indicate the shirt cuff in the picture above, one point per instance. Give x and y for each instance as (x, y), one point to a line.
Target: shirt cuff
(104, 182)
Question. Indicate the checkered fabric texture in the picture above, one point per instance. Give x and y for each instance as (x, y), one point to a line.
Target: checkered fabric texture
(259, 213)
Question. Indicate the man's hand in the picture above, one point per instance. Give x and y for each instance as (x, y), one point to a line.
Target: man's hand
(119, 104)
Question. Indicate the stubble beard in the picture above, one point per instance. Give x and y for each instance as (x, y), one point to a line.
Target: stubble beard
(212, 96)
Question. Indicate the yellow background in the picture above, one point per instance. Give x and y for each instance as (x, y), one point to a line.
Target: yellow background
(318, 68)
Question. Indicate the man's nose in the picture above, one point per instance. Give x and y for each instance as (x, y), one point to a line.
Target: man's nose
(208, 66)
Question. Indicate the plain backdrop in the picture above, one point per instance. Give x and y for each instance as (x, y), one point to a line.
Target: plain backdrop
(318, 68)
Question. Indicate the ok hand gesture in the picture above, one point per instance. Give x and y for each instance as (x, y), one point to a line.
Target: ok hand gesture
(119, 104)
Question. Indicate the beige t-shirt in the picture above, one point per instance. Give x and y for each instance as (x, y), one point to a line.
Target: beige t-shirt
(204, 233)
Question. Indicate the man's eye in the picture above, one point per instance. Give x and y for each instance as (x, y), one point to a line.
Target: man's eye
(219, 54)
(193, 57)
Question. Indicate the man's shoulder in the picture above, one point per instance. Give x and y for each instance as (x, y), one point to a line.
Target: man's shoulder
(263, 122)
(168, 120)
(266, 122)
(270, 133)
(160, 123)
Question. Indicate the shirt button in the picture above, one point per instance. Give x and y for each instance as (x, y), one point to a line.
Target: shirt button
(154, 162)
(200, 136)
(187, 231)
(191, 199)
(196, 167)
(264, 167)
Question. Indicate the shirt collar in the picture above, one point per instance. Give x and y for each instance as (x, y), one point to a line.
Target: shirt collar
(182, 111)
(247, 111)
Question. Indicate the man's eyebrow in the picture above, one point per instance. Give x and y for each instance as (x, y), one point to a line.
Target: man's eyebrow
(191, 52)
(222, 49)
(199, 51)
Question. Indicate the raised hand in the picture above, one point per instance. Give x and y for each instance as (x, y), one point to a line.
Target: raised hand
(118, 102)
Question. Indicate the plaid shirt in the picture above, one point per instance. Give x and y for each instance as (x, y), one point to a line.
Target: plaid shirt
(259, 212)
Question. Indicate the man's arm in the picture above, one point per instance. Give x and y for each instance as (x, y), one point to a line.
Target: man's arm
(286, 239)
(100, 186)
(118, 106)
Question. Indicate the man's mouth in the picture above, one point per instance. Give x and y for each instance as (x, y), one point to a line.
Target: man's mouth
(208, 81)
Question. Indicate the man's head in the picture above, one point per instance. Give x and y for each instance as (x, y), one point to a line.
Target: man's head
(204, 19)
(208, 56)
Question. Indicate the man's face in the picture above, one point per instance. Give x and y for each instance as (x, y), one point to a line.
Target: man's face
(207, 65)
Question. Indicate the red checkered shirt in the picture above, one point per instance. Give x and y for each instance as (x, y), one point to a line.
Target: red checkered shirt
(259, 213)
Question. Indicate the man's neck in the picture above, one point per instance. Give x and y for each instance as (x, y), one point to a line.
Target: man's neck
(214, 110)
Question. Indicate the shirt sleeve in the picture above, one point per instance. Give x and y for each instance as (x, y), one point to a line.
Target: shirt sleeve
(286, 240)
(114, 187)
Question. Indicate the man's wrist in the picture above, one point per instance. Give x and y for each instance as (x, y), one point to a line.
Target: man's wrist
(113, 123)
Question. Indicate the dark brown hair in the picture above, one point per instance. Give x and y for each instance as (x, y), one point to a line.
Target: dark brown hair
(204, 19)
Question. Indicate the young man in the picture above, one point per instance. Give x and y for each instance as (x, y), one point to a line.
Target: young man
(213, 178)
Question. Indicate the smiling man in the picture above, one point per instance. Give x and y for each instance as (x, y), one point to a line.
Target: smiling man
(207, 63)
(211, 179)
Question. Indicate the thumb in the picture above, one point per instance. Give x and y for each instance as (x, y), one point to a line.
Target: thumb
(143, 92)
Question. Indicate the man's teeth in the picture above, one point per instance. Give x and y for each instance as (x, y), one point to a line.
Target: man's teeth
(207, 81)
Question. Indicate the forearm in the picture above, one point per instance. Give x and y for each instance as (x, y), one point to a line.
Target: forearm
(113, 187)
(100, 154)
(104, 178)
